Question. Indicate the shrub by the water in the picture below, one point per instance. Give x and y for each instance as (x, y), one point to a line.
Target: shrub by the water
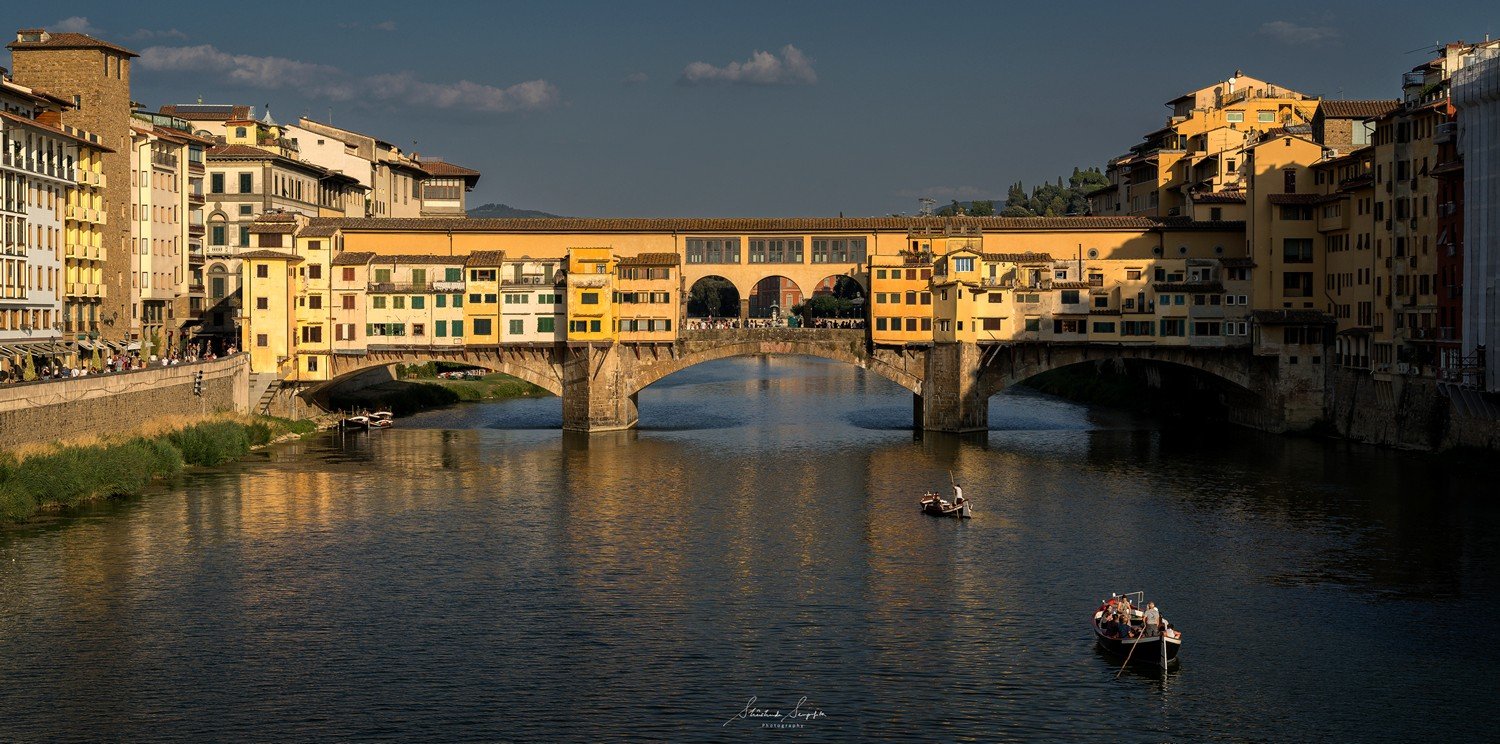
(68, 476)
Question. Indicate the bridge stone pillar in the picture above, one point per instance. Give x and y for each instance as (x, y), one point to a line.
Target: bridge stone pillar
(596, 389)
(952, 399)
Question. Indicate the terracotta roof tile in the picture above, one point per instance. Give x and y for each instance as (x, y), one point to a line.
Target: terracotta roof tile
(69, 41)
(283, 228)
(53, 130)
(651, 259)
(762, 224)
(1017, 257)
(352, 258)
(263, 254)
(1219, 197)
(485, 258)
(1357, 109)
(318, 231)
(205, 112)
(419, 259)
(445, 169)
(1287, 317)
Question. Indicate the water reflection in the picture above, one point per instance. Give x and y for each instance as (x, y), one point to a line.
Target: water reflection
(462, 574)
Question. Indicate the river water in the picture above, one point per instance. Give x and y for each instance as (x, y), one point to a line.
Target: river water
(476, 574)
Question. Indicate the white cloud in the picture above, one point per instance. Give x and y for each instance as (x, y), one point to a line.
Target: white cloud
(385, 26)
(75, 25)
(792, 67)
(636, 78)
(331, 83)
(1287, 32)
(146, 34)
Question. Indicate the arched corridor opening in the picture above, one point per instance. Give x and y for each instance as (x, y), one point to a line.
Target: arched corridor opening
(713, 296)
(773, 297)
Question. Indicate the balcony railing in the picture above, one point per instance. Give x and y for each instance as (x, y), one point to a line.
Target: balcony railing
(394, 288)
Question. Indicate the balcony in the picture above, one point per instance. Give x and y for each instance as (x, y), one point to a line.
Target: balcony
(89, 178)
(82, 289)
(448, 286)
(83, 214)
(394, 288)
(196, 198)
(219, 251)
(82, 252)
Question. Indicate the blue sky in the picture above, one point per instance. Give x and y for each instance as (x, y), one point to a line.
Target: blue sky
(709, 108)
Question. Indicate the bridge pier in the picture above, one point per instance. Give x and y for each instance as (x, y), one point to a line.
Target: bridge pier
(597, 389)
(953, 398)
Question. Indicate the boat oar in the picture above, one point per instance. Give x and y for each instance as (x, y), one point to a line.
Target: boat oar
(1132, 646)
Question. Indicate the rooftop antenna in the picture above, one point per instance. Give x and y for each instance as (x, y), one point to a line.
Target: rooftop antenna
(927, 204)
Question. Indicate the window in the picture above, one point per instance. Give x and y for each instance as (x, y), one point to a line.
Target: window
(963, 263)
(440, 300)
(545, 325)
(458, 329)
(246, 210)
(262, 303)
(880, 324)
(1173, 327)
(247, 183)
(453, 275)
(776, 250)
(348, 274)
(440, 329)
(312, 334)
(712, 250)
(458, 301)
(1070, 297)
(593, 326)
(1216, 213)
(1033, 324)
(517, 327)
(589, 298)
(418, 302)
(382, 276)
(262, 339)
(838, 250)
(1289, 180)
(1263, 116)
(1297, 250)
(315, 302)
(996, 297)
(482, 275)
(474, 298)
(378, 302)
(216, 183)
(216, 235)
(245, 236)
(1234, 117)
(419, 276)
(315, 271)
(418, 329)
(347, 301)
(262, 271)
(398, 302)
(1297, 284)
(1104, 327)
(482, 327)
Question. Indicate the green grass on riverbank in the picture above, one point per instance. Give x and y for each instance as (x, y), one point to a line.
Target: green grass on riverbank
(417, 392)
(67, 476)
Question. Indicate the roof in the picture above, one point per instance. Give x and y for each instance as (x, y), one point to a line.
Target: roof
(54, 130)
(269, 255)
(1357, 108)
(1187, 286)
(763, 224)
(1070, 285)
(445, 169)
(67, 41)
(420, 259)
(1288, 317)
(485, 258)
(284, 228)
(318, 231)
(1219, 197)
(651, 259)
(1294, 198)
(1017, 257)
(206, 111)
(352, 258)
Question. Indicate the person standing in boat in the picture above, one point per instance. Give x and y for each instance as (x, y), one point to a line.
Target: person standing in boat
(1152, 620)
(958, 494)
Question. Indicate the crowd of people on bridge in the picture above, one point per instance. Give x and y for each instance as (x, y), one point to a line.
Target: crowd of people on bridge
(711, 323)
(106, 364)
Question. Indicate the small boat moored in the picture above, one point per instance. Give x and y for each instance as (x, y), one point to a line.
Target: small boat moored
(355, 422)
(1135, 632)
(381, 420)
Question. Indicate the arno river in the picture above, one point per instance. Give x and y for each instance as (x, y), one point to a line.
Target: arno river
(476, 574)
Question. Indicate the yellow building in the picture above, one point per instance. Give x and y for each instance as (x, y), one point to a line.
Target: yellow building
(481, 303)
(648, 297)
(901, 298)
(591, 311)
(269, 279)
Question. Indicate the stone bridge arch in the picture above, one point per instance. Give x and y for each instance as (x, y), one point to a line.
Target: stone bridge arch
(1004, 366)
(903, 368)
(532, 364)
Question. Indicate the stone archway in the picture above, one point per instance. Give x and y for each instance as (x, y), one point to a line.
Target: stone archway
(713, 296)
(773, 295)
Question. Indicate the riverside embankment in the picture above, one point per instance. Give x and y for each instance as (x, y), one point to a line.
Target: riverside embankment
(49, 478)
